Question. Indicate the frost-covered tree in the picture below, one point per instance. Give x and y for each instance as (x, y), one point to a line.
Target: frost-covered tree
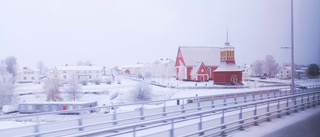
(12, 66)
(73, 90)
(84, 80)
(7, 96)
(257, 67)
(97, 80)
(270, 66)
(52, 88)
(193, 74)
(41, 67)
(108, 80)
(181, 72)
(142, 92)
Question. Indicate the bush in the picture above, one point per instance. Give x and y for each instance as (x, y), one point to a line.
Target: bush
(142, 92)
(108, 80)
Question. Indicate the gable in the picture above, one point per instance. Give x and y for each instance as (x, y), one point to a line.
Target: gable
(179, 59)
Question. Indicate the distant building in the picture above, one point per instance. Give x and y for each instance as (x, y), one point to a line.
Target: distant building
(28, 75)
(89, 72)
(196, 63)
(208, 63)
(247, 71)
(134, 70)
(284, 73)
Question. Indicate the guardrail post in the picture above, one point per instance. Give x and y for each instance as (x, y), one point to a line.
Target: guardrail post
(268, 95)
(314, 100)
(261, 96)
(308, 100)
(164, 109)
(198, 103)
(274, 94)
(245, 97)
(212, 102)
(255, 113)
(182, 106)
(240, 114)
(255, 110)
(224, 100)
(141, 112)
(302, 105)
(318, 98)
(278, 107)
(200, 126)
(80, 121)
(287, 105)
(172, 129)
(235, 99)
(268, 109)
(134, 131)
(36, 128)
(114, 117)
(253, 96)
(222, 118)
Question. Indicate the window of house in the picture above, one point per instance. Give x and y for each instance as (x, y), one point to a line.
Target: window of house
(24, 78)
(89, 72)
(90, 77)
(32, 78)
(97, 71)
(64, 76)
(31, 72)
(25, 72)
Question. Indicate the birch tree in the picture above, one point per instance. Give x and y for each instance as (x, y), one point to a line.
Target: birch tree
(7, 96)
(52, 89)
(73, 88)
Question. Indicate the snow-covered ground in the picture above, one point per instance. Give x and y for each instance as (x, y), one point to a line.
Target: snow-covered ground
(101, 93)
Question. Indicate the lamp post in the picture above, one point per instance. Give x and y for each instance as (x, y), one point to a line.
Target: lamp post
(292, 52)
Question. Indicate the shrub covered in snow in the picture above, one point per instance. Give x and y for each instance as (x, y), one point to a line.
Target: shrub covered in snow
(84, 80)
(142, 92)
(108, 80)
(97, 80)
(51, 88)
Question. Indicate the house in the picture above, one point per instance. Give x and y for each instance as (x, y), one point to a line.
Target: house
(134, 70)
(227, 73)
(88, 72)
(28, 75)
(202, 61)
(247, 71)
(284, 73)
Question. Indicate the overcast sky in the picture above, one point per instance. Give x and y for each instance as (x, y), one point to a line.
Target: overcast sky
(122, 32)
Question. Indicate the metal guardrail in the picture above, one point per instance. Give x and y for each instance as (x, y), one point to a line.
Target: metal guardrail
(143, 122)
(201, 113)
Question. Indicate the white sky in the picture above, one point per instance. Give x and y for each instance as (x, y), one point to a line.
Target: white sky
(121, 32)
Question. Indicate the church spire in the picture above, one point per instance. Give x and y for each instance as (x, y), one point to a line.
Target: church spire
(227, 42)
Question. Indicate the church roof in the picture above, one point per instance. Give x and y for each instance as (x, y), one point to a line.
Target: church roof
(223, 67)
(210, 56)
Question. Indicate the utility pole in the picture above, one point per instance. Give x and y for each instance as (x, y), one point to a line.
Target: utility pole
(292, 52)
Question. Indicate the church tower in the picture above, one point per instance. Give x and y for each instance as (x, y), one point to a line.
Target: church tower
(227, 53)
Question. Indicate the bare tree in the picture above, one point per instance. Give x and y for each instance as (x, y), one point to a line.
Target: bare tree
(52, 89)
(73, 88)
(270, 66)
(12, 66)
(142, 92)
(257, 67)
(7, 96)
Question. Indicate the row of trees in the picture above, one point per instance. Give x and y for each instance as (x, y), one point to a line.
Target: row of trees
(267, 66)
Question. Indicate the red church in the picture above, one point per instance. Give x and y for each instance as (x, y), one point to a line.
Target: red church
(208, 63)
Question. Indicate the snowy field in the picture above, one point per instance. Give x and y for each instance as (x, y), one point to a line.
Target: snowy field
(103, 92)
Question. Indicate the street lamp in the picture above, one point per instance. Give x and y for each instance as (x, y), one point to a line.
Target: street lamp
(292, 52)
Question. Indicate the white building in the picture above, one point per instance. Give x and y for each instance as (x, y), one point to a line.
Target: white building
(247, 71)
(284, 73)
(134, 70)
(89, 72)
(28, 75)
